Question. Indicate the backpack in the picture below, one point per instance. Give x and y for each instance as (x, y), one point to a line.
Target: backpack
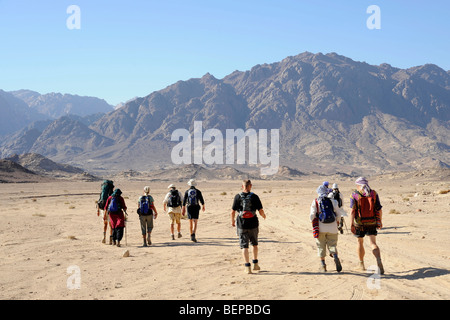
(337, 197)
(247, 211)
(192, 197)
(326, 213)
(107, 189)
(365, 209)
(144, 206)
(114, 205)
(174, 199)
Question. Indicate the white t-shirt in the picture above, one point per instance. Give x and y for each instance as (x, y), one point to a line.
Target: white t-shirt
(327, 227)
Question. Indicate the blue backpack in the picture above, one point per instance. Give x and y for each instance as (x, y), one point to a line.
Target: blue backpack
(192, 197)
(326, 213)
(144, 206)
(114, 206)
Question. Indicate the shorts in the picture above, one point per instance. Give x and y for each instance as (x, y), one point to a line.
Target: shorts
(362, 231)
(247, 236)
(193, 212)
(146, 223)
(175, 217)
(325, 240)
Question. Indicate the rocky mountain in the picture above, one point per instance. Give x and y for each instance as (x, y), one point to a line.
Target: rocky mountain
(56, 105)
(12, 172)
(333, 115)
(15, 114)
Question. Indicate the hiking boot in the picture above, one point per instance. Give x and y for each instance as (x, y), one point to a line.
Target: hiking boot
(149, 241)
(323, 268)
(338, 264)
(179, 235)
(256, 267)
(173, 237)
(193, 237)
(144, 244)
(248, 269)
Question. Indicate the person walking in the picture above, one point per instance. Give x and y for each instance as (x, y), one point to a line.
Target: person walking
(115, 205)
(247, 204)
(172, 205)
(366, 217)
(337, 195)
(327, 213)
(192, 200)
(147, 212)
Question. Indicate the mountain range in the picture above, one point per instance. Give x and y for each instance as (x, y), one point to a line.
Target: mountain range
(333, 115)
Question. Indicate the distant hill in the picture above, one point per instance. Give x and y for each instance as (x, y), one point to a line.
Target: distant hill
(38, 164)
(56, 105)
(333, 115)
(11, 172)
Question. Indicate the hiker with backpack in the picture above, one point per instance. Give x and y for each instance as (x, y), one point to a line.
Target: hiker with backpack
(107, 188)
(192, 199)
(325, 214)
(247, 204)
(115, 205)
(337, 195)
(366, 218)
(147, 212)
(172, 205)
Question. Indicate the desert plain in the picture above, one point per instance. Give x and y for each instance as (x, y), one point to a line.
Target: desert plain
(49, 229)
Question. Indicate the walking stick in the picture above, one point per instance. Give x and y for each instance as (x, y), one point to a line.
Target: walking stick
(125, 222)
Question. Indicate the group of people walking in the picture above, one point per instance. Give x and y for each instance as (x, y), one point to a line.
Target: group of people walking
(326, 215)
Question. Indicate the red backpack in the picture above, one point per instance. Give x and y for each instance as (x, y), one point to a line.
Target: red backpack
(365, 209)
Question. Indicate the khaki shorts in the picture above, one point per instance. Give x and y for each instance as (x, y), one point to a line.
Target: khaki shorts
(175, 217)
(325, 240)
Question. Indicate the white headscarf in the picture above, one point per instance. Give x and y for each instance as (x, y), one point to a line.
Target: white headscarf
(362, 181)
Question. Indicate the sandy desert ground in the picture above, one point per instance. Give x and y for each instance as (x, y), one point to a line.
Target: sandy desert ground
(49, 227)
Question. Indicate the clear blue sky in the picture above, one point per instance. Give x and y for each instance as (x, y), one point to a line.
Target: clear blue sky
(132, 48)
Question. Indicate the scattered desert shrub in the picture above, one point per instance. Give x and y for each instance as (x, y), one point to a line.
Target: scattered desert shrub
(393, 211)
(443, 191)
(223, 193)
(39, 215)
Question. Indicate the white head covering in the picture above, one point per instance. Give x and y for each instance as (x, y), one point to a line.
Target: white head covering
(192, 183)
(362, 181)
(147, 189)
(171, 186)
(322, 191)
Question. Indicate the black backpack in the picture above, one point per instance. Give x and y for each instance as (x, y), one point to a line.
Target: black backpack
(174, 199)
(246, 202)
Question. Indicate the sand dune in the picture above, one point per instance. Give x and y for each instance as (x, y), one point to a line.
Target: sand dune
(50, 227)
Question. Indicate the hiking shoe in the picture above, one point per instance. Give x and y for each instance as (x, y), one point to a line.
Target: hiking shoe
(323, 268)
(193, 237)
(173, 237)
(179, 235)
(256, 267)
(144, 244)
(149, 241)
(338, 264)
(248, 269)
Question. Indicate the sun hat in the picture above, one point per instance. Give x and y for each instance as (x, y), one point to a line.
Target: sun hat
(171, 186)
(146, 189)
(192, 183)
